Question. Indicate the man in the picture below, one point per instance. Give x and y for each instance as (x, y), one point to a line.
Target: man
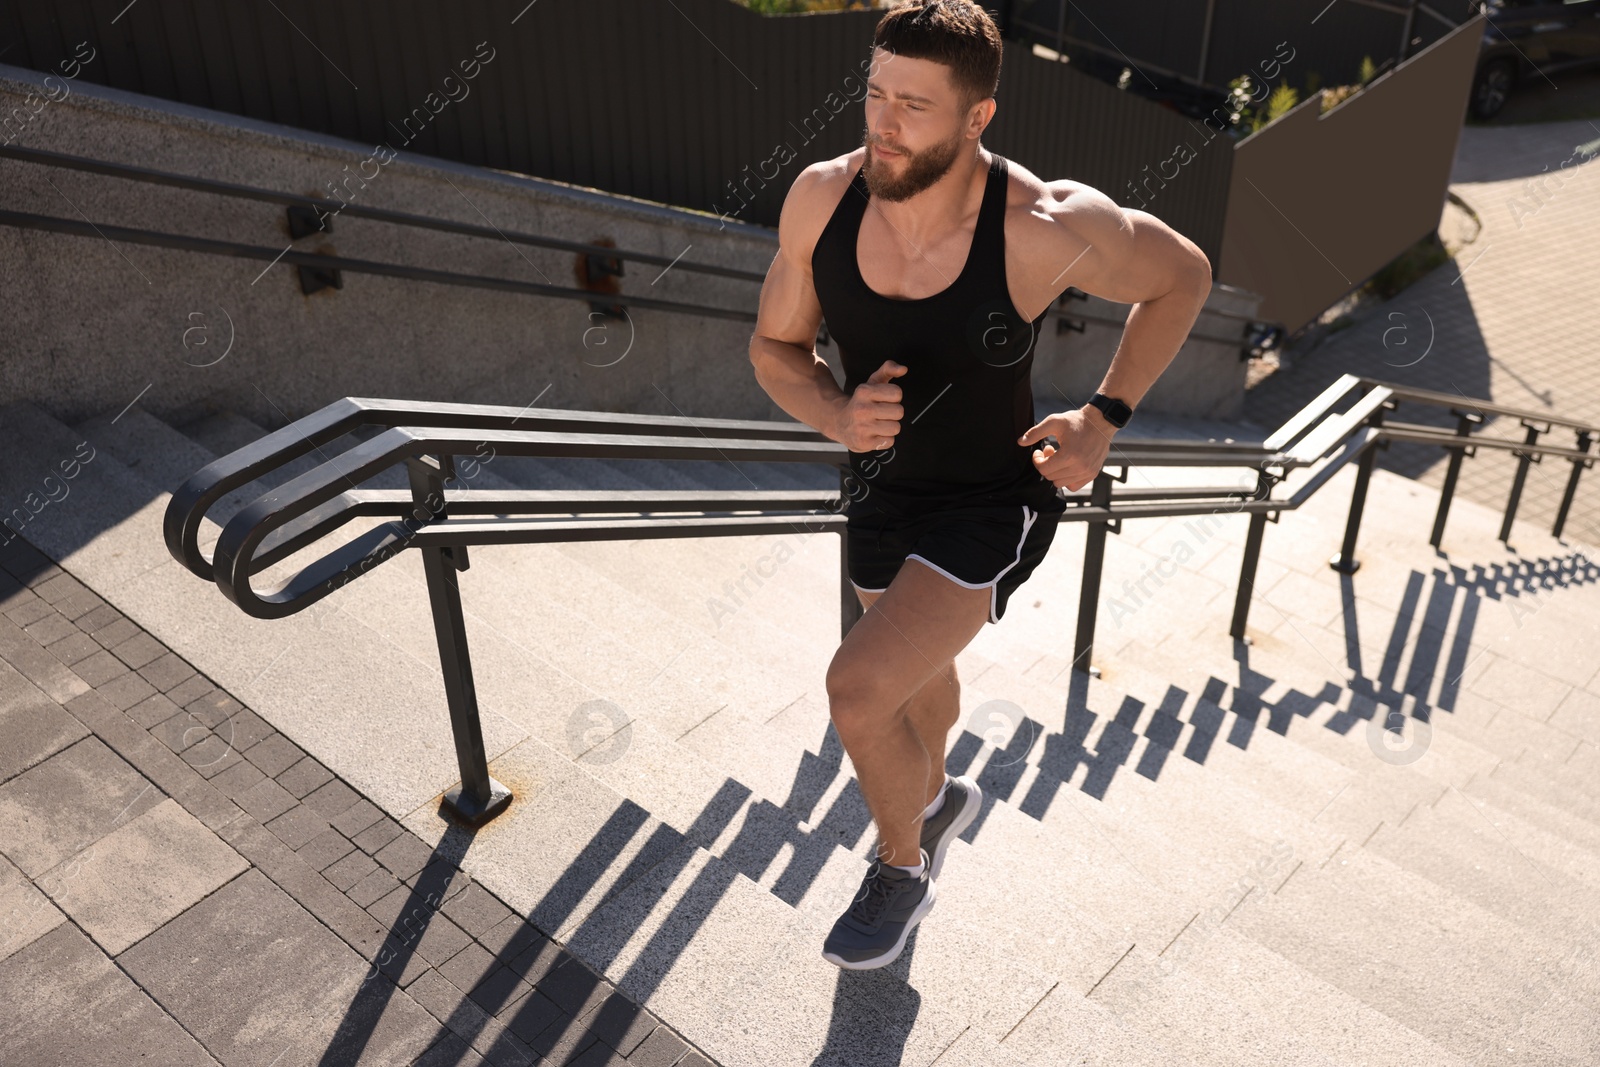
(933, 262)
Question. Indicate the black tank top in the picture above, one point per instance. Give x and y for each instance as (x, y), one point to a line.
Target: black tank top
(967, 390)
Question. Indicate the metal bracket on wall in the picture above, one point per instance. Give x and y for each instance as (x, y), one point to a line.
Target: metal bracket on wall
(316, 279)
(595, 268)
(305, 221)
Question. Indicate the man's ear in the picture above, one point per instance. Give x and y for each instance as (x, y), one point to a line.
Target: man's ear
(980, 115)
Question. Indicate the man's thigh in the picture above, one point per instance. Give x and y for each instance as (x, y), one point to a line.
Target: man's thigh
(910, 633)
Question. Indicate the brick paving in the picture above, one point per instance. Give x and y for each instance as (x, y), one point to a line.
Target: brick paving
(1515, 319)
(184, 885)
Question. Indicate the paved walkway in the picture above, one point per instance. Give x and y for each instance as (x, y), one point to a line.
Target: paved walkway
(302, 925)
(1515, 318)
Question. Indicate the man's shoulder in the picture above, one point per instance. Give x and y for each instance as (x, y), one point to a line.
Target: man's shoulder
(813, 196)
(1038, 211)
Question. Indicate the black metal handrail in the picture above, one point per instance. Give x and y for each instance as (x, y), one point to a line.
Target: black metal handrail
(320, 261)
(441, 518)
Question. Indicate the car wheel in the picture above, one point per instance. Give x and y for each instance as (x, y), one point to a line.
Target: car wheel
(1491, 88)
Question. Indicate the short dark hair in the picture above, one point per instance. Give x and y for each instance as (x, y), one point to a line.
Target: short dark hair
(957, 33)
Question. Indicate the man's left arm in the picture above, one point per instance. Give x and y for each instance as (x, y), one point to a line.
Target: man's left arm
(1128, 257)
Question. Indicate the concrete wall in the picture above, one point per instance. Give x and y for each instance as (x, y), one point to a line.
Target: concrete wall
(89, 326)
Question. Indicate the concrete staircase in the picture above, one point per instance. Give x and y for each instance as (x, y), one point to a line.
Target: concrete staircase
(1171, 867)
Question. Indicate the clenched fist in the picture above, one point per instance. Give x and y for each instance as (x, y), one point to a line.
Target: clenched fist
(870, 419)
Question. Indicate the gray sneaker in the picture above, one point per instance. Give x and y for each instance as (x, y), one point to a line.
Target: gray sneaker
(873, 931)
(961, 802)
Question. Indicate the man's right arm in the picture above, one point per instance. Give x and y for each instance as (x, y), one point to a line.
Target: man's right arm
(783, 347)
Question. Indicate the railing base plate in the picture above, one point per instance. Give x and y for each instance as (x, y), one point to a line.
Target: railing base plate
(466, 809)
(1343, 566)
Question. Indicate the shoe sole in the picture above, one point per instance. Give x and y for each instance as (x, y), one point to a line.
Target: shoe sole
(899, 946)
(964, 820)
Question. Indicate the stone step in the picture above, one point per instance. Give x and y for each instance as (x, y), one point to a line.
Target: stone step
(1491, 872)
(1536, 842)
(1396, 941)
(1567, 772)
(1454, 753)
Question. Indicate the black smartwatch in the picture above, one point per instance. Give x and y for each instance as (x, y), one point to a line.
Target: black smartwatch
(1116, 412)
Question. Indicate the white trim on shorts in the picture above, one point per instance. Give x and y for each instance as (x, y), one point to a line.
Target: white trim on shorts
(993, 584)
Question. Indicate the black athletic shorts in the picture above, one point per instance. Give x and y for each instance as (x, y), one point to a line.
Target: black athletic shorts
(993, 545)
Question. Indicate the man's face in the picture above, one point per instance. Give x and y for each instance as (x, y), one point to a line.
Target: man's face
(916, 125)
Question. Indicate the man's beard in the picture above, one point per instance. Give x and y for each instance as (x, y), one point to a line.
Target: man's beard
(922, 169)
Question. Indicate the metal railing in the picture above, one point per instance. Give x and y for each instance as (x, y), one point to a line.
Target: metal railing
(308, 215)
(442, 519)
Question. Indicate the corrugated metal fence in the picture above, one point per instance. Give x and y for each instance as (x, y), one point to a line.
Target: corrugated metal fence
(697, 103)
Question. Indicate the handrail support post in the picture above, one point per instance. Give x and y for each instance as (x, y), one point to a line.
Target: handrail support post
(1465, 420)
(1094, 555)
(479, 797)
(1252, 558)
(1585, 439)
(1345, 562)
(1518, 480)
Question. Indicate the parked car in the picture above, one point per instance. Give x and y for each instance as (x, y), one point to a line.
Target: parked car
(1528, 39)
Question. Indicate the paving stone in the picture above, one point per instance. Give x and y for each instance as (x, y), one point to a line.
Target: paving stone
(345, 873)
(476, 910)
(48, 629)
(532, 1015)
(297, 826)
(471, 965)
(662, 1048)
(38, 665)
(409, 916)
(499, 989)
(58, 587)
(68, 802)
(33, 727)
(99, 668)
(179, 731)
(304, 776)
(308, 888)
(62, 1001)
(598, 1054)
(153, 710)
(77, 605)
(73, 648)
(404, 856)
(694, 1059)
(329, 799)
(619, 1022)
(277, 984)
(324, 849)
(512, 937)
(243, 729)
(274, 754)
(238, 779)
(574, 988)
(154, 760)
(126, 691)
(482, 1031)
(377, 835)
(539, 959)
(373, 887)
(562, 1041)
(266, 800)
(98, 619)
(139, 650)
(215, 708)
(450, 1051)
(29, 612)
(126, 884)
(211, 756)
(357, 817)
(29, 915)
(113, 634)
(191, 689)
(440, 880)
(167, 671)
